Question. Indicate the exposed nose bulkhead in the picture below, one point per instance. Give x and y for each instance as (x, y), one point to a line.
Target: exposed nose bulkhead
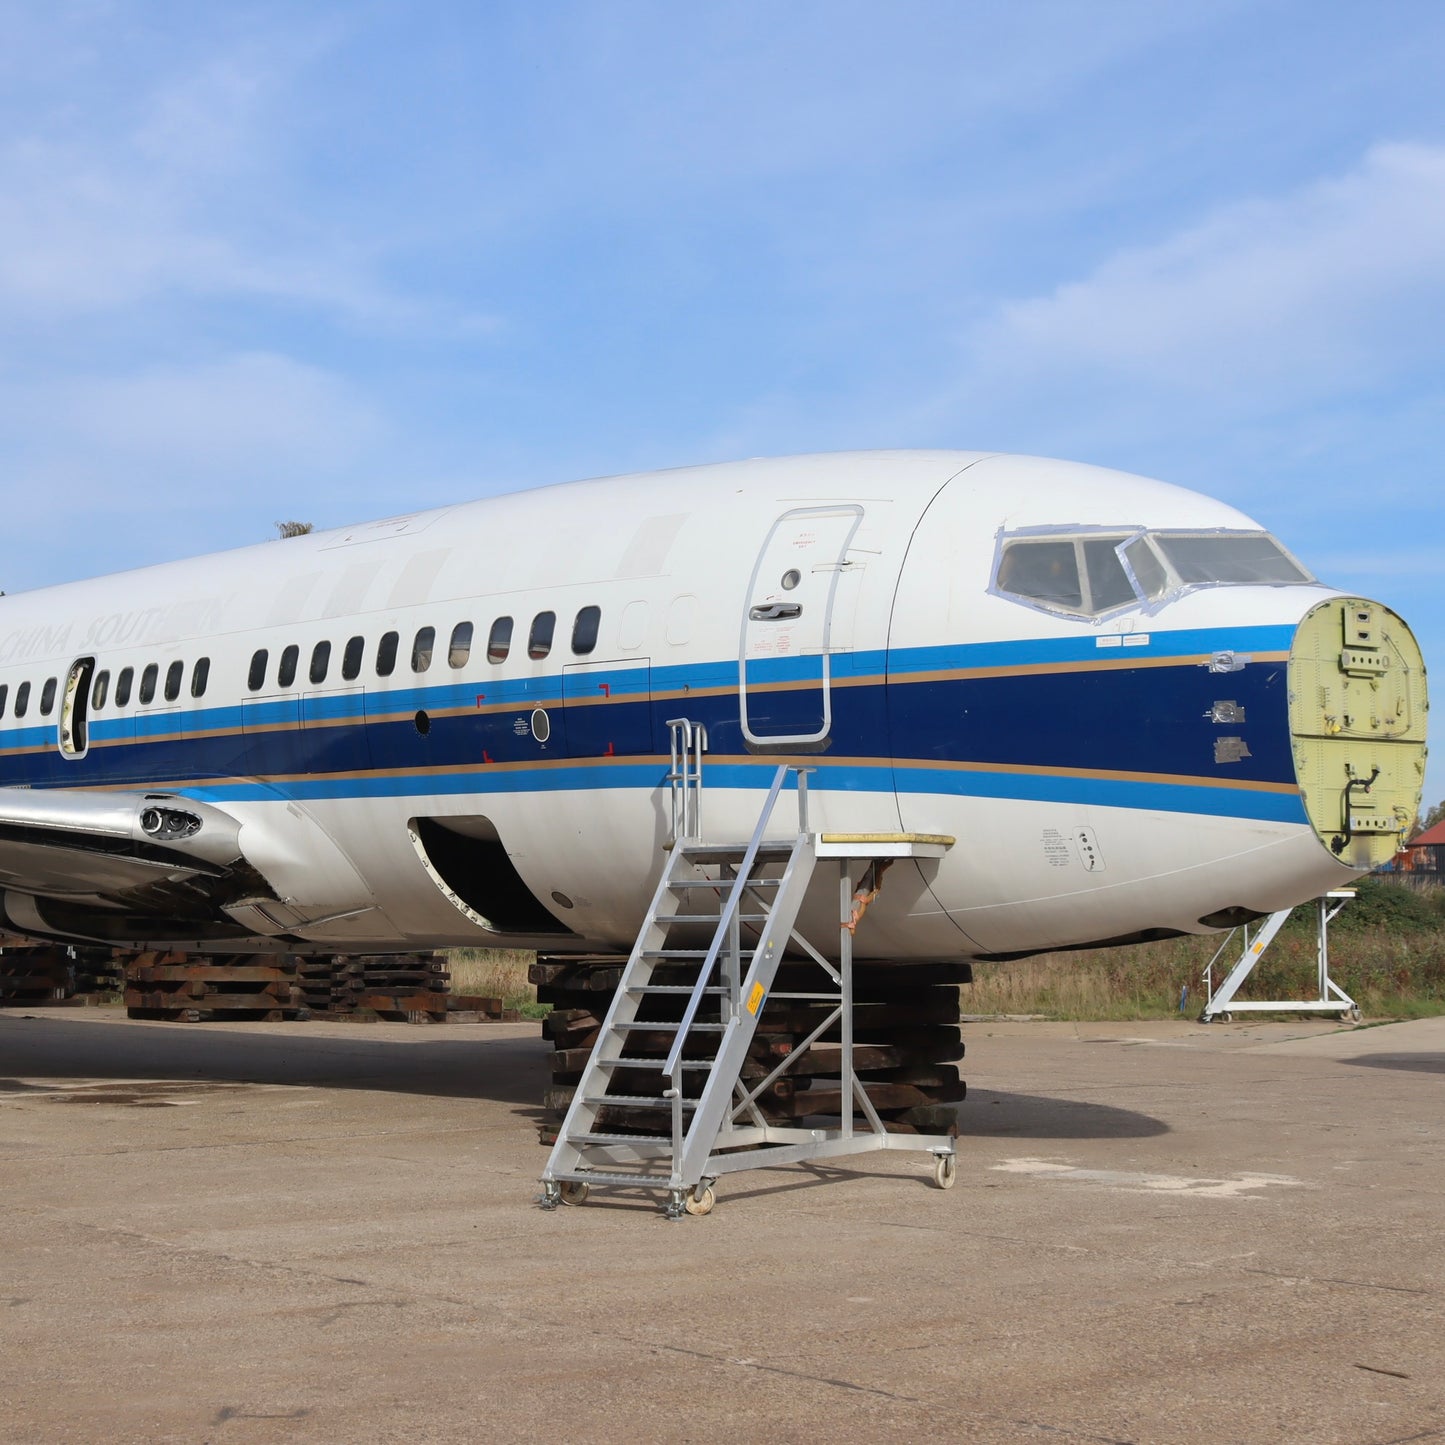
(1357, 712)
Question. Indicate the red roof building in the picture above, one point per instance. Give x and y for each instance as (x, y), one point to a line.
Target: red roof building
(1424, 853)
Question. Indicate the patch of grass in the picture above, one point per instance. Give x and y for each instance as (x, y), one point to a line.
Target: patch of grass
(497, 973)
(1387, 951)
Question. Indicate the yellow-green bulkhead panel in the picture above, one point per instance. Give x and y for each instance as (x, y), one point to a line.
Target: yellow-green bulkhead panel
(1358, 709)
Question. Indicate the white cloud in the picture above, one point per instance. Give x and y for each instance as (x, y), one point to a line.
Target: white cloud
(1263, 305)
(243, 428)
(187, 187)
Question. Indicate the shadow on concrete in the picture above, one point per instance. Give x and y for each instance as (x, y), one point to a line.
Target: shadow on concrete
(510, 1069)
(989, 1114)
(1410, 1063)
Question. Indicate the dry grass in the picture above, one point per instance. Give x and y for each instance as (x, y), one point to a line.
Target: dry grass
(496, 973)
(1390, 976)
(1387, 951)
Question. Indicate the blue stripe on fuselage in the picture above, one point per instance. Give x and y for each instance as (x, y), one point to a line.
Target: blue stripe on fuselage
(1139, 712)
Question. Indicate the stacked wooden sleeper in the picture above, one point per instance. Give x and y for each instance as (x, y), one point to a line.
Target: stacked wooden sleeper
(907, 1043)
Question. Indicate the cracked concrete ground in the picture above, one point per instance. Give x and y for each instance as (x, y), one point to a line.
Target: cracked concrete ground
(1160, 1232)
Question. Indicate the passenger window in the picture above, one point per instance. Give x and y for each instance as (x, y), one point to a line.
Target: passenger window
(97, 693)
(4, 693)
(460, 647)
(47, 697)
(499, 644)
(386, 654)
(286, 672)
(584, 630)
(256, 678)
(148, 683)
(22, 699)
(421, 649)
(320, 661)
(175, 673)
(351, 658)
(123, 680)
(200, 676)
(539, 640)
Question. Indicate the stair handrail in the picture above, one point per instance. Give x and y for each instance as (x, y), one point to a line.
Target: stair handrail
(730, 906)
(688, 742)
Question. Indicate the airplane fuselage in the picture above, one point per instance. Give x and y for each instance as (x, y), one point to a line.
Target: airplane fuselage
(452, 727)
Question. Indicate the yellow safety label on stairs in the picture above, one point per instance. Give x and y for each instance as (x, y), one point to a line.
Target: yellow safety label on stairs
(755, 998)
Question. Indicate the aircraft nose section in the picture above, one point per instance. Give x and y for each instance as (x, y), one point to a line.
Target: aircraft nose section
(1357, 710)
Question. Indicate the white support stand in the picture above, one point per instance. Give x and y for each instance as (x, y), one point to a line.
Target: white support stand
(1222, 1004)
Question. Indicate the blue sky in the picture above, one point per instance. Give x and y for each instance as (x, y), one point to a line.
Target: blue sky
(335, 261)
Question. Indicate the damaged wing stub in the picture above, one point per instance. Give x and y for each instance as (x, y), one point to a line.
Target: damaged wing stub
(90, 859)
(147, 830)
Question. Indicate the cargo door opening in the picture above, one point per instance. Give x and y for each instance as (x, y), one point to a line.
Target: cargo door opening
(467, 860)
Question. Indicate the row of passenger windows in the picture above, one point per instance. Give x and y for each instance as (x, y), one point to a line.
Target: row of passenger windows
(124, 684)
(459, 650)
(423, 649)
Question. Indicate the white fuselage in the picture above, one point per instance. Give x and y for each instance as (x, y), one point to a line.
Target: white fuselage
(1071, 757)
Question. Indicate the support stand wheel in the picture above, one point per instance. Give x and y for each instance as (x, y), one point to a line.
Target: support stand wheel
(574, 1191)
(1354, 1015)
(551, 1196)
(945, 1170)
(701, 1200)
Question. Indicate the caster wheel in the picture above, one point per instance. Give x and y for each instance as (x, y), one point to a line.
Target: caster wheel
(945, 1170)
(1225, 1018)
(1355, 1016)
(574, 1192)
(700, 1202)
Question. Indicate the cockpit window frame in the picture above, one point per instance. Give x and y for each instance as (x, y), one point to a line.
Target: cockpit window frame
(1005, 536)
(1144, 601)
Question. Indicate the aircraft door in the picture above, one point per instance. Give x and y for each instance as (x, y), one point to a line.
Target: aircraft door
(792, 624)
(74, 707)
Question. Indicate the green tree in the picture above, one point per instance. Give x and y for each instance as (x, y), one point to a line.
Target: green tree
(293, 529)
(1432, 816)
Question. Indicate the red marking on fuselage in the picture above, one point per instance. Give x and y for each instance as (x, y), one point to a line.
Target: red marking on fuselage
(605, 688)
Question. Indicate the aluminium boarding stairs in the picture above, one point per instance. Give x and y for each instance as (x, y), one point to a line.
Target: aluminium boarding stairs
(662, 1094)
(1222, 1003)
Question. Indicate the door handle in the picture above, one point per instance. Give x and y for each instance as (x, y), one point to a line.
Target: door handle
(775, 612)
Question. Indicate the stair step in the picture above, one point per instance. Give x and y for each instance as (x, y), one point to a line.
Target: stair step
(666, 1028)
(662, 955)
(768, 852)
(712, 918)
(593, 1136)
(713, 990)
(654, 1064)
(722, 883)
(637, 1101)
(613, 1177)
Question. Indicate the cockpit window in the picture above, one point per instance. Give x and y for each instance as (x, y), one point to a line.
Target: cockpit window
(1097, 572)
(1047, 572)
(1108, 582)
(1228, 557)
